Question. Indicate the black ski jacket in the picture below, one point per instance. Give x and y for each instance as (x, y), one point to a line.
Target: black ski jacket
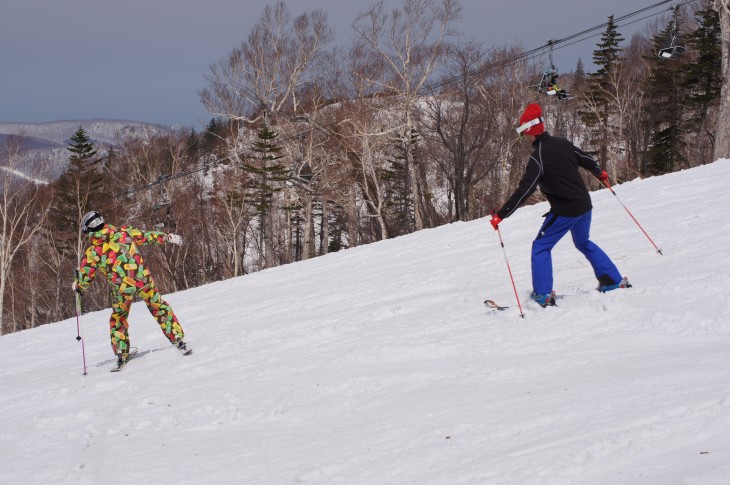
(553, 166)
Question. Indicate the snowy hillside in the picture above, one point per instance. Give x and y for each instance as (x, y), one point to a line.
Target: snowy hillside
(380, 365)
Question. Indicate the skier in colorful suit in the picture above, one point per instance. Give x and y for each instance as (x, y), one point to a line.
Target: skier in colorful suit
(114, 252)
(553, 166)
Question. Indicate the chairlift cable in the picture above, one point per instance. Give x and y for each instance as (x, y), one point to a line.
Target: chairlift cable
(553, 44)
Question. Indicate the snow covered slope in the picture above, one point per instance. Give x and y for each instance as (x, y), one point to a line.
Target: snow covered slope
(380, 365)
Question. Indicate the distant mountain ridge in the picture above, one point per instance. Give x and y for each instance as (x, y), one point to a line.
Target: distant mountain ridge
(48, 140)
(31, 142)
(57, 133)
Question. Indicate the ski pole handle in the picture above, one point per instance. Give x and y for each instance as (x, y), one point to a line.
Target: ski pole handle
(608, 186)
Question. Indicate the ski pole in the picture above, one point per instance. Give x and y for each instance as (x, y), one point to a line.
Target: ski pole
(608, 186)
(78, 328)
(504, 251)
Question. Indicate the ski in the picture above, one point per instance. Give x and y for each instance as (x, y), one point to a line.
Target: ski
(131, 354)
(494, 306)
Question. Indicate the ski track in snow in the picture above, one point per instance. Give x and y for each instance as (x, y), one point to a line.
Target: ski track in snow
(380, 365)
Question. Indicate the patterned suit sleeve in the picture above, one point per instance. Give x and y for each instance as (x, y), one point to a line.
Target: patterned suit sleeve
(142, 238)
(88, 267)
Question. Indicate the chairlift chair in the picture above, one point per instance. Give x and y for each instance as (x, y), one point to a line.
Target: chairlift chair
(673, 47)
(549, 85)
(163, 204)
(305, 172)
(300, 176)
(162, 200)
(549, 82)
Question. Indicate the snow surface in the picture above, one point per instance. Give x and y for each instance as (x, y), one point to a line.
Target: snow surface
(380, 365)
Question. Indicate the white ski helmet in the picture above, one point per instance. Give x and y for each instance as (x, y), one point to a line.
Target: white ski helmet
(91, 222)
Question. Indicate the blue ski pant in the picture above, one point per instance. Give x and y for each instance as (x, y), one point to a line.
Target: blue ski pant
(552, 230)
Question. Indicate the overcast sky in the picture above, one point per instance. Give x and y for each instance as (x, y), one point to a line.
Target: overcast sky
(144, 60)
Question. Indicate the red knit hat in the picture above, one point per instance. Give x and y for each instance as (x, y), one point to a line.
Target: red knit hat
(531, 121)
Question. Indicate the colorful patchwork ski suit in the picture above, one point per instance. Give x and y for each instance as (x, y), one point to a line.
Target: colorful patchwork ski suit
(114, 252)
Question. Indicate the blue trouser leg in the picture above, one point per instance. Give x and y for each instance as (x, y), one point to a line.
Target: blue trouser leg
(552, 230)
(604, 269)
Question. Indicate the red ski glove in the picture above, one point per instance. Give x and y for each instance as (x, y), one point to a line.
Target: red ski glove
(495, 220)
(604, 176)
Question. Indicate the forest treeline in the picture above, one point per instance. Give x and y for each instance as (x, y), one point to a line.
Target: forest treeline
(313, 149)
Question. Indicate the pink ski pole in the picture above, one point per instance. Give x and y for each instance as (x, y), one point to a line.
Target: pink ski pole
(78, 328)
(504, 251)
(608, 186)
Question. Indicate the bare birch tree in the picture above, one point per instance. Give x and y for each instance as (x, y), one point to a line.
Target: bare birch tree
(504, 87)
(458, 122)
(634, 129)
(722, 141)
(261, 76)
(20, 214)
(236, 213)
(409, 42)
(622, 90)
(318, 144)
(364, 140)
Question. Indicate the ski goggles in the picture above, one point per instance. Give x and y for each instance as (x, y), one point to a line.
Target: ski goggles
(529, 124)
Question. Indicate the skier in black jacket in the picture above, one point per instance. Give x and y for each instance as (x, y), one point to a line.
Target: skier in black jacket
(553, 166)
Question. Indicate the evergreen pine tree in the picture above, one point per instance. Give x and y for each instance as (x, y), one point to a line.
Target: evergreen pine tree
(76, 191)
(607, 57)
(666, 118)
(399, 203)
(703, 77)
(579, 78)
(212, 140)
(337, 229)
(81, 147)
(266, 178)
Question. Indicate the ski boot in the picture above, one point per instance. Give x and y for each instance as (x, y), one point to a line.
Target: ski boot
(122, 358)
(543, 299)
(624, 283)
